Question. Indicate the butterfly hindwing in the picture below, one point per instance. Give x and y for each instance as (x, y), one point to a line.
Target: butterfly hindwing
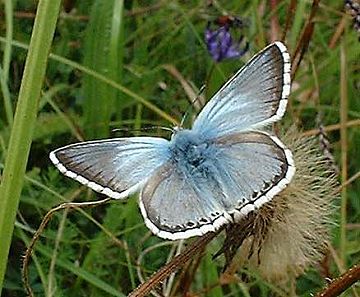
(114, 167)
(177, 206)
(253, 166)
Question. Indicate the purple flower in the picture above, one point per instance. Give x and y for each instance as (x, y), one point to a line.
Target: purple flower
(220, 44)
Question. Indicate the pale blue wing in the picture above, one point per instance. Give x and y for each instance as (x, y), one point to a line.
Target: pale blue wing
(252, 168)
(246, 170)
(176, 206)
(114, 167)
(254, 97)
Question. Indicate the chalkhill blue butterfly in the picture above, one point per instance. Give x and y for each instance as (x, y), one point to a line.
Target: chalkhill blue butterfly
(227, 165)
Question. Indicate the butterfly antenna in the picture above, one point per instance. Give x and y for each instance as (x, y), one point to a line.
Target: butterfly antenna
(166, 129)
(142, 129)
(191, 105)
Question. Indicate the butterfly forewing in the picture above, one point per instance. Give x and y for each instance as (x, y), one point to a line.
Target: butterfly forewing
(255, 96)
(115, 167)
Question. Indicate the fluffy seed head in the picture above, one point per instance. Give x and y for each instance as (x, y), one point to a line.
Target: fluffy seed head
(290, 233)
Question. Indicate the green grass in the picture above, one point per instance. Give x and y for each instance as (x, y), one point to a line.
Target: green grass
(106, 71)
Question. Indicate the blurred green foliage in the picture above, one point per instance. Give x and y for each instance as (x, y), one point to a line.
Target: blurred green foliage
(128, 45)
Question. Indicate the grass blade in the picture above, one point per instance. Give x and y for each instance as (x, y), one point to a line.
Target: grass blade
(24, 122)
(101, 48)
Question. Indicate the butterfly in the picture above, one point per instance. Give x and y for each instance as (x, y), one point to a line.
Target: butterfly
(226, 166)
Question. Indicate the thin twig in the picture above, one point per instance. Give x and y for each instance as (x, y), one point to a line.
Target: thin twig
(340, 266)
(344, 147)
(338, 32)
(274, 21)
(51, 285)
(304, 39)
(353, 226)
(188, 274)
(175, 264)
(290, 16)
(189, 90)
(146, 10)
(343, 282)
(331, 128)
(44, 222)
(63, 15)
(349, 181)
(139, 267)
